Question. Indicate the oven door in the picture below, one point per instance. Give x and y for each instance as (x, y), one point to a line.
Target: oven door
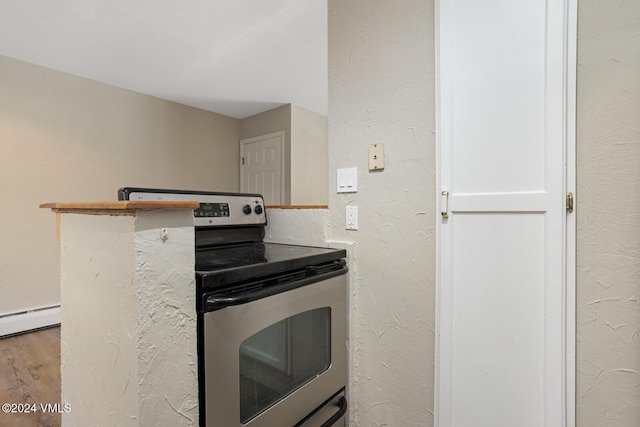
(277, 360)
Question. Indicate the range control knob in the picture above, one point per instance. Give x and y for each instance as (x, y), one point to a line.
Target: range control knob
(246, 209)
(258, 209)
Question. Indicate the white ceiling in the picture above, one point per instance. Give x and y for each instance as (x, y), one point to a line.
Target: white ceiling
(233, 57)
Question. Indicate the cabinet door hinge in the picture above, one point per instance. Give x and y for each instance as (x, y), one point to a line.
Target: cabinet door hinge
(242, 158)
(570, 202)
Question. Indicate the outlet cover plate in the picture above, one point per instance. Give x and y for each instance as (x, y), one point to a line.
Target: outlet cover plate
(347, 180)
(352, 218)
(376, 157)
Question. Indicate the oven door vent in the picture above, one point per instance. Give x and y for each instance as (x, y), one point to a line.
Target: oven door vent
(290, 277)
(315, 270)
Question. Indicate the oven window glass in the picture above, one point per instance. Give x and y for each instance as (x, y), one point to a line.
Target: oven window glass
(281, 358)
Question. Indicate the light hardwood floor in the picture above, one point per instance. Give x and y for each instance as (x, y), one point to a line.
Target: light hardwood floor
(30, 374)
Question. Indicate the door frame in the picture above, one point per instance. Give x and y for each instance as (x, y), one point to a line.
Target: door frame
(443, 325)
(570, 111)
(245, 141)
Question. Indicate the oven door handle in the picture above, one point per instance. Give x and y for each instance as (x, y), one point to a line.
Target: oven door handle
(220, 301)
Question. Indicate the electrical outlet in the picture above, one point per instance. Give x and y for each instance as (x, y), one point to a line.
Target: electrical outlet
(352, 218)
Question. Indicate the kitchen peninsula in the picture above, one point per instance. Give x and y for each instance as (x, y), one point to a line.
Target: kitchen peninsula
(128, 336)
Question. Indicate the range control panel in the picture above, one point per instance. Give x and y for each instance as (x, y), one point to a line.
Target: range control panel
(215, 209)
(212, 210)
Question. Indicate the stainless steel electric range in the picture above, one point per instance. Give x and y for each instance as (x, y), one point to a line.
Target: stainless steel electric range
(271, 318)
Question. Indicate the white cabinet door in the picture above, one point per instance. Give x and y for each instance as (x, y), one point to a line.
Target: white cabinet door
(262, 165)
(504, 337)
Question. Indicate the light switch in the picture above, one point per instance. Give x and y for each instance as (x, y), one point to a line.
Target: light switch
(376, 157)
(352, 218)
(347, 180)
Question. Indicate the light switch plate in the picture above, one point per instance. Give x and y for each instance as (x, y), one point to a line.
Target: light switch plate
(352, 218)
(347, 180)
(376, 157)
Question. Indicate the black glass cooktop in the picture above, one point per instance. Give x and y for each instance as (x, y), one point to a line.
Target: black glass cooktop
(225, 265)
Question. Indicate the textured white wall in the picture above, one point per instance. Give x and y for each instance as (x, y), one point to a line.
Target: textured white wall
(370, 66)
(166, 318)
(608, 214)
(129, 352)
(98, 340)
(297, 226)
(381, 89)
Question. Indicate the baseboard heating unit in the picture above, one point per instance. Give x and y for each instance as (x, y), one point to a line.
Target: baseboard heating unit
(25, 321)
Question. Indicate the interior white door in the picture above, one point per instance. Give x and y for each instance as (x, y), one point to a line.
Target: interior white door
(504, 339)
(261, 169)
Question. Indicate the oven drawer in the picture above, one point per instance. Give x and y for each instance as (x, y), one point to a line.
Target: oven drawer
(274, 360)
(331, 414)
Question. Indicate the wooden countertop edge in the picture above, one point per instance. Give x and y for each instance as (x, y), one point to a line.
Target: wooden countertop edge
(298, 207)
(125, 207)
